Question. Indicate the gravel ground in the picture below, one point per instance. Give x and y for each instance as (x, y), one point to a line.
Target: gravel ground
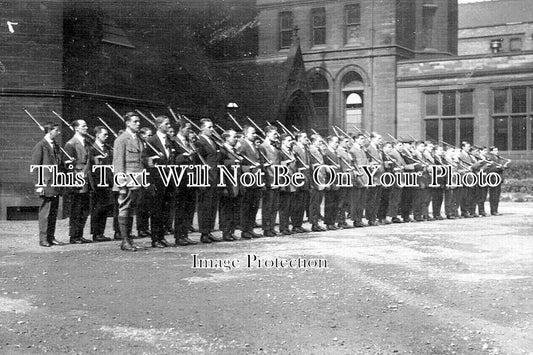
(444, 287)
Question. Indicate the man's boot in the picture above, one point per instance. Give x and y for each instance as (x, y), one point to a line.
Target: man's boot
(124, 232)
(133, 245)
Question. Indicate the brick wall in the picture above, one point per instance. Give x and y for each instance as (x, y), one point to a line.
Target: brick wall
(382, 13)
(30, 69)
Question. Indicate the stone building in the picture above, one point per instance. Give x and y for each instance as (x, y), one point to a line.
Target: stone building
(426, 68)
(485, 94)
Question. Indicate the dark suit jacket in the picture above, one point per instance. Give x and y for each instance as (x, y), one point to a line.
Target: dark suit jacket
(44, 154)
(316, 159)
(305, 157)
(94, 177)
(360, 159)
(211, 155)
(286, 156)
(252, 155)
(82, 164)
(273, 155)
(163, 160)
(228, 160)
(332, 159)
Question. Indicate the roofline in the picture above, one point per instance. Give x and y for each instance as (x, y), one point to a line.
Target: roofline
(461, 57)
(497, 24)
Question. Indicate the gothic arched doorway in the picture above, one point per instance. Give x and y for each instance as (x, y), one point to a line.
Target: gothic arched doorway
(298, 113)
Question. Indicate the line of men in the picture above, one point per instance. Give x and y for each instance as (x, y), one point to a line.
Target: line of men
(171, 208)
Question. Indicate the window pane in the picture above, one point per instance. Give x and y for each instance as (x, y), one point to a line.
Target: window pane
(531, 131)
(519, 133)
(319, 17)
(286, 20)
(515, 44)
(285, 29)
(432, 104)
(286, 39)
(466, 130)
(500, 133)
(353, 14)
(318, 82)
(519, 99)
(320, 99)
(354, 99)
(500, 101)
(352, 80)
(465, 98)
(321, 103)
(448, 103)
(319, 36)
(432, 130)
(448, 131)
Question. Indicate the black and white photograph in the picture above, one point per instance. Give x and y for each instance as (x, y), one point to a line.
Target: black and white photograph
(266, 177)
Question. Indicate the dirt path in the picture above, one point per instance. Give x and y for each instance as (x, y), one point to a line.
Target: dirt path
(447, 287)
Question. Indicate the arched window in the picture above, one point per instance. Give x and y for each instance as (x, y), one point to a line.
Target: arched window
(353, 94)
(320, 93)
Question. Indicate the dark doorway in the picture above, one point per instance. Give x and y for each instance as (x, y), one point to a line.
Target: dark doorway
(298, 113)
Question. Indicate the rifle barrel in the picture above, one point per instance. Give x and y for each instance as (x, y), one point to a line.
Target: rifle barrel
(115, 112)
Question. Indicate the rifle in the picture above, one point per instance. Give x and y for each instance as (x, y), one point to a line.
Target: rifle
(215, 133)
(173, 115)
(146, 118)
(90, 136)
(107, 126)
(115, 112)
(256, 126)
(363, 133)
(141, 138)
(394, 139)
(235, 121)
(285, 129)
(343, 132)
(219, 127)
(42, 129)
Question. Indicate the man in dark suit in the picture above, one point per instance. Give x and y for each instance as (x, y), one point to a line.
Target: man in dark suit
(101, 197)
(78, 148)
(301, 196)
(47, 152)
(185, 195)
(163, 151)
(287, 193)
(270, 206)
(374, 192)
(316, 194)
(208, 196)
(230, 197)
(498, 166)
(144, 205)
(332, 192)
(467, 193)
(359, 192)
(252, 194)
(346, 164)
(128, 158)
